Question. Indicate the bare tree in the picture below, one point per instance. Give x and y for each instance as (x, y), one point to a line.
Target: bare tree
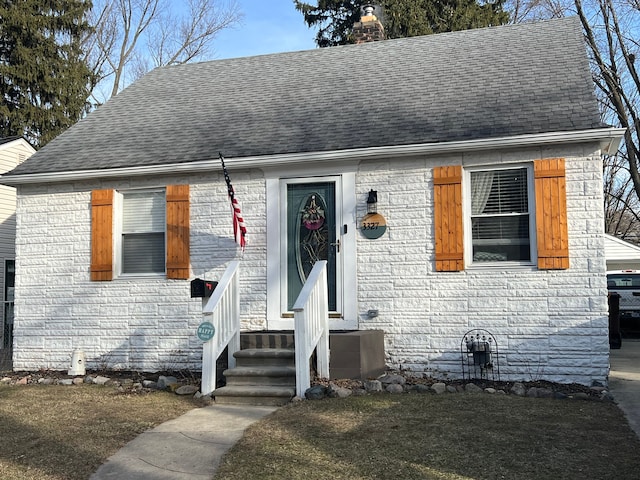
(621, 204)
(534, 10)
(612, 31)
(133, 36)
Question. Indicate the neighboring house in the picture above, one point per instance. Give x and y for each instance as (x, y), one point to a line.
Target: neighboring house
(483, 146)
(13, 151)
(621, 255)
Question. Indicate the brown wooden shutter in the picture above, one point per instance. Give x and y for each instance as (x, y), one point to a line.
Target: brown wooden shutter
(447, 194)
(178, 232)
(101, 235)
(551, 214)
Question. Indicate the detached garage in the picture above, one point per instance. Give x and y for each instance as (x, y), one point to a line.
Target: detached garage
(621, 255)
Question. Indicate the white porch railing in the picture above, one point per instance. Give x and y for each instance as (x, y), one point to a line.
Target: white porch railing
(222, 309)
(311, 316)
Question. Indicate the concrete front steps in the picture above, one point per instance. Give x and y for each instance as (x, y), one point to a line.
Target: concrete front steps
(262, 376)
(265, 365)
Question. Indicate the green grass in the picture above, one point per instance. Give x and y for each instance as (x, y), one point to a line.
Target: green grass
(459, 436)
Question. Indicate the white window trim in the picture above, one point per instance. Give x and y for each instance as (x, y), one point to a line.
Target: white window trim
(117, 235)
(466, 211)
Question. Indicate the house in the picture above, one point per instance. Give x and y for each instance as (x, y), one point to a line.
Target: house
(13, 151)
(621, 255)
(453, 182)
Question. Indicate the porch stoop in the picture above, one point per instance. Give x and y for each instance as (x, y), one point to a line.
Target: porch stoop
(265, 371)
(262, 376)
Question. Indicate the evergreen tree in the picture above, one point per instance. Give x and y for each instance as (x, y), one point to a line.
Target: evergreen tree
(45, 81)
(401, 18)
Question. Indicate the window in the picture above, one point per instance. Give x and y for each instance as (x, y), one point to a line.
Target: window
(514, 214)
(151, 234)
(499, 216)
(143, 232)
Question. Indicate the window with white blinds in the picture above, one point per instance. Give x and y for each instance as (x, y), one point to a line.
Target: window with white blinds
(143, 232)
(500, 215)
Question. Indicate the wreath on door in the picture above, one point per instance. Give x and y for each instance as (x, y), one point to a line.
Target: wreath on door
(312, 215)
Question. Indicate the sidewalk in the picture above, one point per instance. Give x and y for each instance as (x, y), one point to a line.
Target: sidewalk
(186, 448)
(624, 380)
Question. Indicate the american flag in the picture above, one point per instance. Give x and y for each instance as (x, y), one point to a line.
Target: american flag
(239, 228)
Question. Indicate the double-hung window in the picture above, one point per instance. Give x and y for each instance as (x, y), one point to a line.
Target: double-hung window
(508, 215)
(500, 218)
(143, 232)
(140, 232)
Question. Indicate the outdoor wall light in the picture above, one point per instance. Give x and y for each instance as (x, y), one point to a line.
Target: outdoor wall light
(372, 202)
(373, 225)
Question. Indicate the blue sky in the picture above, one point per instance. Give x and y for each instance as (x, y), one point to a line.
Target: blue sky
(268, 26)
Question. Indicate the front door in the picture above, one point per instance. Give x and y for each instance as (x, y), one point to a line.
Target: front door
(311, 218)
(312, 234)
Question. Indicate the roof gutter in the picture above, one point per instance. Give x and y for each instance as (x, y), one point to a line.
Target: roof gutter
(608, 138)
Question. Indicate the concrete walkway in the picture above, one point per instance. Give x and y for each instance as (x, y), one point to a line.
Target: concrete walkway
(624, 380)
(187, 448)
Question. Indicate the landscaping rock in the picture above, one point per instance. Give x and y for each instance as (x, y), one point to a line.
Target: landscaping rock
(394, 388)
(539, 392)
(186, 390)
(335, 391)
(472, 388)
(165, 382)
(545, 393)
(532, 392)
(100, 380)
(420, 388)
(392, 379)
(373, 386)
(394, 382)
(317, 392)
(439, 388)
(518, 389)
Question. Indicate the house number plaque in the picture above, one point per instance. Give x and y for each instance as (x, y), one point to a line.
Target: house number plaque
(373, 225)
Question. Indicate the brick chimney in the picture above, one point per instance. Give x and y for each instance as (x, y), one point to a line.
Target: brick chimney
(369, 28)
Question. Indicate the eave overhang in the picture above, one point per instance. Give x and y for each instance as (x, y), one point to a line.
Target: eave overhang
(608, 139)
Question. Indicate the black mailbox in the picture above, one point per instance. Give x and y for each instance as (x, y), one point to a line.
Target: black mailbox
(202, 288)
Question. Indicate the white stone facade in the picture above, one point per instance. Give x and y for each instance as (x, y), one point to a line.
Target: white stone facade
(549, 325)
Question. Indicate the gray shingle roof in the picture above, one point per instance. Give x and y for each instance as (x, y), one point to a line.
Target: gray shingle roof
(493, 82)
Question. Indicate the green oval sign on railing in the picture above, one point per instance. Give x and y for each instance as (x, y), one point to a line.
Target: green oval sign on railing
(206, 331)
